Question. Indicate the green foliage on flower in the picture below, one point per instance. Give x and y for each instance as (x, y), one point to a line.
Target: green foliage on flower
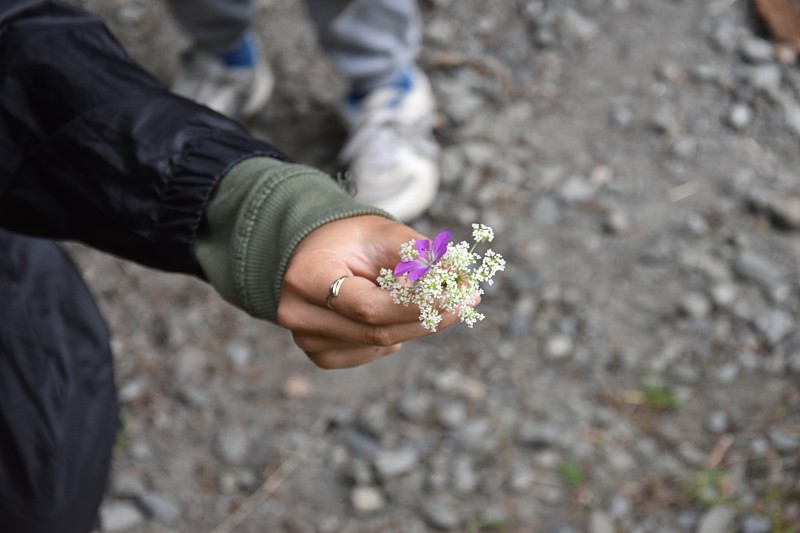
(441, 276)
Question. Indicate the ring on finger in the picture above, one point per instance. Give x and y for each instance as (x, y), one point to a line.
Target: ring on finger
(333, 290)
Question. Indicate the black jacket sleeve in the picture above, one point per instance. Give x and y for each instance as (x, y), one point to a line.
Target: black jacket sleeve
(94, 149)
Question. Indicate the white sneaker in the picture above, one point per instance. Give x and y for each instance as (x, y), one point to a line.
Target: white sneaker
(391, 151)
(237, 91)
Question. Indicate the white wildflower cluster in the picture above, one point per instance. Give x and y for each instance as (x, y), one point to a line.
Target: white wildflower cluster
(451, 283)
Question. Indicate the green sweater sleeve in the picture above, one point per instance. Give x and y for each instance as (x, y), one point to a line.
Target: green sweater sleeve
(259, 213)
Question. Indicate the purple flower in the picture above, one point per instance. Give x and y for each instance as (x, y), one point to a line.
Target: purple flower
(428, 255)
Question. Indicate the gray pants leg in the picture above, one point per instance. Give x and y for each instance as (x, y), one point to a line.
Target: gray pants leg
(213, 25)
(369, 41)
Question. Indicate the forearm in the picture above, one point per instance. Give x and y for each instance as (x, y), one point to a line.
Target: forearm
(93, 149)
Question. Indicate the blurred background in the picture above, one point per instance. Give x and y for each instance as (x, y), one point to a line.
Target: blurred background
(639, 367)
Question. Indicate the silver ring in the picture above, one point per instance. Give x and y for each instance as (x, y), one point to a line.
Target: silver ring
(333, 291)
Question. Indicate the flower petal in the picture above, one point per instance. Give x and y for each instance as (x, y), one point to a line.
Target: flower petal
(417, 273)
(440, 245)
(423, 249)
(404, 266)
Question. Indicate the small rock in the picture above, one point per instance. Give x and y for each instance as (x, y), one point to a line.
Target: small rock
(784, 441)
(441, 511)
(793, 363)
(621, 506)
(479, 153)
(232, 445)
(756, 50)
(785, 54)
(551, 495)
(439, 472)
(360, 443)
(478, 437)
(441, 31)
(717, 520)
(695, 305)
(494, 516)
(621, 115)
(240, 354)
(728, 372)
(576, 190)
(415, 406)
(669, 72)
(785, 212)
(452, 165)
(228, 483)
(725, 36)
(452, 414)
(134, 390)
(684, 147)
(539, 436)
(617, 222)
(193, 396)
(620, 460)
(724, 294)
(118, 517)
(458, 100)
(705, 73)
(361, 472)
(141, 450)
(577, 26)
(687, 520)
(131, 13)
(454, 382)
(559, 346)
(296, 386)
(664, 121)
(691, 454)
(600, 522)
(775, 325)
(159, 508)
(765, 78)
(739, 116)
(755, 267)
(718, 422)
(756, 524)
(522, 477)
(393, 463)
(521, 319)
(545, 212)
(124, 485)
(367, 500)
(374, 418)
(465, 480)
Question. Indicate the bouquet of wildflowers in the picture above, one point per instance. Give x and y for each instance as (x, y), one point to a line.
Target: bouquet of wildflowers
(441, 275)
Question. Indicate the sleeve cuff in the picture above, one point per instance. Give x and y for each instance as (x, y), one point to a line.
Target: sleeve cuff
(260, 212)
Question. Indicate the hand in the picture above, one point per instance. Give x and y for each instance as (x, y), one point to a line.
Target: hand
(364, 323)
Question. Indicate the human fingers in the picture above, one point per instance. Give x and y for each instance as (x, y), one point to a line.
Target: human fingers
(350, 357)
(361, 300)
(300, 316)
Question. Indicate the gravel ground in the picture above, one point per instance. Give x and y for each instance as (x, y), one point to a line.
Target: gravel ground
(639, 367)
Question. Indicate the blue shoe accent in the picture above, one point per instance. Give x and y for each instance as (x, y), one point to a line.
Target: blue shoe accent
(404, 82)
(244, 55)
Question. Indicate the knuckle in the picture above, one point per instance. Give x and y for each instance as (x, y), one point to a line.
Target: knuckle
(379, 336)
(367, 311)
(288, 318)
